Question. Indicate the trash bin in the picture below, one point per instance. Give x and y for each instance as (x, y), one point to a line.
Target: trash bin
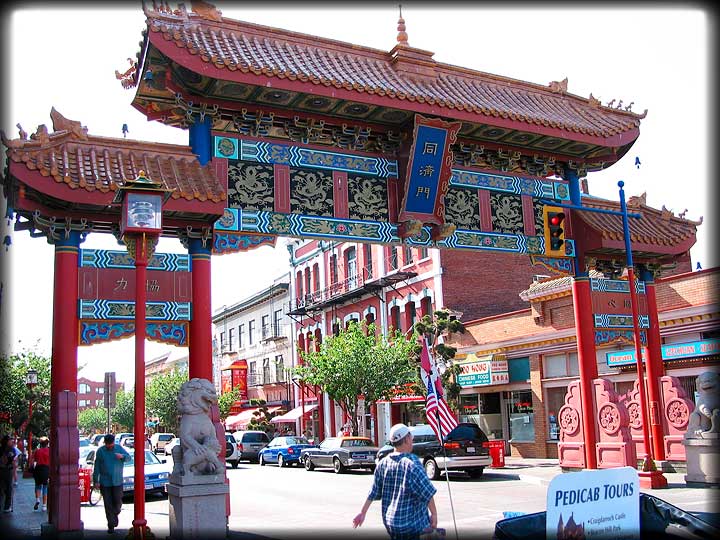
(85, 484)
(497, 452)
(658, 520)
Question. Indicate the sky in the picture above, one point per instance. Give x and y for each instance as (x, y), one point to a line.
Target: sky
(656, 56)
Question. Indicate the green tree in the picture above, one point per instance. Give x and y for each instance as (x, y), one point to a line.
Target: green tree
(161, 395)
(15, 396)
(261, 418)
(93, 420)
(226, 401)
(441, 325)
(123, 414)
(359, 363)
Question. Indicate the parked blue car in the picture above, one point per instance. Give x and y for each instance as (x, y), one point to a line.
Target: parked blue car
(284, 451)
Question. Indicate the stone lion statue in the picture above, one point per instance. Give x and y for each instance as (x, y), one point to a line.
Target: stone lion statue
(705, 419)
(198, 440)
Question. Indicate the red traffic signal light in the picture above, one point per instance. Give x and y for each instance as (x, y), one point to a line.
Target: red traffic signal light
(554, 231)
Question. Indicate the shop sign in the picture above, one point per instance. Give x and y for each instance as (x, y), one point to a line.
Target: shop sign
(674, 351)
(594, 504)
(483, 373)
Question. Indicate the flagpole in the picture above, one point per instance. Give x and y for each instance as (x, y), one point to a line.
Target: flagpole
(431, 385)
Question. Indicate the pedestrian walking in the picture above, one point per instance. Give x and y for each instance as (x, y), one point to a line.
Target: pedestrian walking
(41, 473)
(8, 462)
(108, 476)
(407, 495)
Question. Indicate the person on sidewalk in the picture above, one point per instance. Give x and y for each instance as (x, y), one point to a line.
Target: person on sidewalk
(407, 495)
(41, 473)
(8, 462)
(108, 476)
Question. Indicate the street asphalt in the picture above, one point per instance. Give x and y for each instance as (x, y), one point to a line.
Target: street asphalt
(475, 505)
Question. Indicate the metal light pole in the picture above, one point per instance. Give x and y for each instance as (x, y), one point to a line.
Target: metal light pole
(650, 477)
(140, 227)
(31, 379)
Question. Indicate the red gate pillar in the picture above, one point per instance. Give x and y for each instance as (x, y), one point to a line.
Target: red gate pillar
(200, 347)
(587, 363)
(655, 367)
(64, 496)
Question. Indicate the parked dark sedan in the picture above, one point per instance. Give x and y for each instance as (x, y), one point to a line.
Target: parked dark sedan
(283, 451)
(341, 453)
(464, 450)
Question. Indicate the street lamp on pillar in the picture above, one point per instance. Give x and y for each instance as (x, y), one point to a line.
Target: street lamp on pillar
(140, 227)
(650, 477)
(31, 379)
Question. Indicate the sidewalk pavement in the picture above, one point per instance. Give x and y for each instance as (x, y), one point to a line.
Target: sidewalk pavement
(24, 522)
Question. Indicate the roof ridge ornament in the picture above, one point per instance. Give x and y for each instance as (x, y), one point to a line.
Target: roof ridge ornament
(74, 127)
(206, 10)
(402, 37)
(559, 87)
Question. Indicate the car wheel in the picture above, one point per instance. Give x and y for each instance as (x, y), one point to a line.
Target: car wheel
(261, 461)
(234, 463)
(476, 473)
(431, 469)
(338, 467)
(281, 461)
(309, 465)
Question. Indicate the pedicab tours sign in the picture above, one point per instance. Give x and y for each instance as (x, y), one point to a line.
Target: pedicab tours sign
(601, 504)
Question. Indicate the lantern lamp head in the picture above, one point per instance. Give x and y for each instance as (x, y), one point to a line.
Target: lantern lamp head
(31, 377)
(142, 201)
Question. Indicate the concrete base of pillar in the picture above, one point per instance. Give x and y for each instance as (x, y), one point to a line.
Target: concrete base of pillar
(197, 507)
(48, 530)
(703, 461)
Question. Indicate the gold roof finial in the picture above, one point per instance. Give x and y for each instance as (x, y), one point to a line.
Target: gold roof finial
(402, 37)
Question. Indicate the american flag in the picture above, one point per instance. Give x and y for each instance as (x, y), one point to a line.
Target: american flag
(440, 417)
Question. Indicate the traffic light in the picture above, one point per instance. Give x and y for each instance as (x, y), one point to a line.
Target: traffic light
(553, 221)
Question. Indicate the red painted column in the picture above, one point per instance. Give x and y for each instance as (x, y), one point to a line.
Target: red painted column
(200, 348)
(64, 497)
(655, 367)
(587, 363)
(142, 243)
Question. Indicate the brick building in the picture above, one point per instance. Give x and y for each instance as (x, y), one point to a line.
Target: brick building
(92, 393)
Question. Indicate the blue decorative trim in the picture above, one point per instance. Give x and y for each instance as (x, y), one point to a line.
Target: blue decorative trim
(172, 333)
(229, 221)
(518, 185)
(564, 267)
(606, 320)
(615, 285)
(125, 310)
(603, 337)
(229, 242)
(102, 258)
(297, 156)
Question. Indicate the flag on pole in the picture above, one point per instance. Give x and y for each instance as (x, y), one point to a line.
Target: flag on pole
(439, 415)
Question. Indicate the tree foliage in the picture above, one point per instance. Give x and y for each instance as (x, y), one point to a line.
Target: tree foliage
(261, 418)
(15, 396)
(358, 363)
(226, 401)
(92, 420)
(161, 394)
(123, 415)
(435, 329)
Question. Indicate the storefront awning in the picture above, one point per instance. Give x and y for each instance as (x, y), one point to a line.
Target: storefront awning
(242, 419)
(294, 414)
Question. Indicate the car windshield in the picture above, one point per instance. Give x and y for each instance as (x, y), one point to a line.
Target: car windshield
(84, 442)
(356, 442)
(150, 459)
(296, 440)
(165, 437)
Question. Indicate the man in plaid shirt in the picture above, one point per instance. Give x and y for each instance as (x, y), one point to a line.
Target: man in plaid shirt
(407, 495)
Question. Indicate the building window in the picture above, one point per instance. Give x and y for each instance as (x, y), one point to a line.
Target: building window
(231, 338)
(222, 341)
(521, 416)
(241, 335)
(100, 390)
(266, 371)
(251, 332)
(277, 322)
(560, 365)
(410, 314)
(423, 253)
(265, 322)
(99, 403)
(82, 403)
(554, 401)
(392, 258)
(252, 374)
(308, 281)
(299, 284)
(316, 277)
(426, 306)
(367, 254)
(336, 328)
(279, 368)
(84, 388)
(408, 255)
(351, 267)
(333, 269)
(395, 318)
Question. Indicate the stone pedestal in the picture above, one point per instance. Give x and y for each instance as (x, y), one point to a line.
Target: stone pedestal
(197, 506)
(703, 461)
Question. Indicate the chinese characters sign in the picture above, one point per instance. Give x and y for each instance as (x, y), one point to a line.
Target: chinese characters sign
(428, 171)
(483, 371)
